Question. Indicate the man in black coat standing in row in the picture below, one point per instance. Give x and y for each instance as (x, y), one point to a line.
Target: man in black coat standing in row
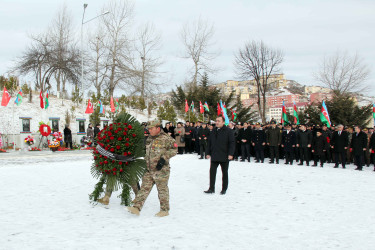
(288, 142)
(245, 139)
(358, 147)
(220, 149)
(304, 140)
(273, 135)
(339, 144)
(258, 139)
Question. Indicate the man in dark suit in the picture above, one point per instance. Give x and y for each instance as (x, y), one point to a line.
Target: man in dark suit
(258, 139)
(273, 135)
(339, 144)
(304, 140)
(358, 146)
(288, 142)
(245, 138)
(220, 149)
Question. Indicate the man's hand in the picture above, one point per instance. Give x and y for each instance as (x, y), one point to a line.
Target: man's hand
(332, 146)
(364, 149)
(312, 150)
(282, 145)
(230, 157)
(263, 143)
(309, 145)
(346, 148)
(160, 164)
(253, 144)
(293, 146)
(297, 145)
(208, 156)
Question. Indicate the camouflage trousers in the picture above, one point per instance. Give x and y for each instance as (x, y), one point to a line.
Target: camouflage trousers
(160, 178)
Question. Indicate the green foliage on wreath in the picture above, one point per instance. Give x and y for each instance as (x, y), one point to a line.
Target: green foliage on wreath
(123, 137)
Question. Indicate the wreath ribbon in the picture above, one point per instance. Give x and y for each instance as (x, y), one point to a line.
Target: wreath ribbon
(113, 156)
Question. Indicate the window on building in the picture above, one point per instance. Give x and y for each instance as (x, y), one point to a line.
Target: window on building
(25, 125)
(81, 126)
(55, 125)
(105, 123)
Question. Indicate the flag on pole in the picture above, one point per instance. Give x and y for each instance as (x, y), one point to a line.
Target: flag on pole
(41, 99)
(90, 108)
(284, 116)
(234, 115)
(324, 116)
(373, 110)
(113, 109)
(219, 112)
(186, 106)
(6, 97)
(102, 111)
(295, 114)
(206, 107)
(201, 109)
(117, 105)
(19, 98)
(224, 113)
(192, 106)
(47, 102)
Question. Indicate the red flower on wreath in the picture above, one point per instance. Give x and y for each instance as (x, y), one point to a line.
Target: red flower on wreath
(134, 135)
(112, 138)
(105, 162)
(124, 133)
(125, 153)
(121, 170)
(130, 127)
(127, 144)
(120, 163)
(114, 169)
(112, 150)
(120, 139)
(45, 130)
(118, 147)
(127, 139)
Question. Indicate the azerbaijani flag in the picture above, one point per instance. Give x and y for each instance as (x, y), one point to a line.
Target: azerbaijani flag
(102, 111)
(47, 102)
(234, 115)
(284, 116)
(224, 110)
(186, 106)
(324, 116)
(206, 107)
(295, 114)
(19, 98)
(117, 105)
(192, 106)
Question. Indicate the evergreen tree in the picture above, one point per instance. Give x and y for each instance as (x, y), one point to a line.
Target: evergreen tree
(76, 95)
(166, 112)
(342, 109)
(244, 114)
(95, 116)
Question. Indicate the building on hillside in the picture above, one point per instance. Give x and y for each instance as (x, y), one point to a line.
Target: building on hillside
(316, 89)
(319, 97)
(273, 100)
(275, 111)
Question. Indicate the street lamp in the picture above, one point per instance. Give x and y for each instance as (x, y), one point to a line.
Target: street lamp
(83, 22)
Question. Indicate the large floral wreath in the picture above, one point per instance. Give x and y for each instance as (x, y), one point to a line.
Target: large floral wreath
(117, 158)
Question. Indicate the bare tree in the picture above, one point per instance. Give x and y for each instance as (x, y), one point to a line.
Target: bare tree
(117, 24)
(145, 61)
(343, 73)
(61, 34)
(97, 67)
(197, 38)
(258, 61)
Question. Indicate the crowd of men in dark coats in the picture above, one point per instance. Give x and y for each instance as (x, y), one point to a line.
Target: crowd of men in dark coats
(303, 144)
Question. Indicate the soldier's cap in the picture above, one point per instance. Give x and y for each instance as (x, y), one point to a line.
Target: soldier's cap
(365, 129)
(319, 130)
(273, 122)
(258, 123)
(287, 125)
(154, 123)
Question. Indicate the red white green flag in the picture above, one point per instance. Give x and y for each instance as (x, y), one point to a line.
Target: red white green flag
(295, 114)
(201, 109)
(324, 116)
(284, 115)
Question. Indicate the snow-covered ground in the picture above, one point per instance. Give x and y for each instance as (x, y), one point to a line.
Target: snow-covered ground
(44, 205)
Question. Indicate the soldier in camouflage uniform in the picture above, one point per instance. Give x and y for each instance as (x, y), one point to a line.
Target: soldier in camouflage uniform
(160, 147)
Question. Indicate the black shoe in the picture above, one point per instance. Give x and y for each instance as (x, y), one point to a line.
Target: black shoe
(223, 192)
(257, 162)
(314, 165)
(286, 163)
(209, 191)
(262, 161)
(336, 166)
(300, 164)
(248, 160)
(277, 162)
(242, 160)
(291, 163)
(343, 167)
(307, 164)
(321, 165)
(359, 169)
(200, 158)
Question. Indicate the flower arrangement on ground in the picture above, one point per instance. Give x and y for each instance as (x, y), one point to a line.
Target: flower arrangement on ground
(117, 161)
(2, 150)
(85, 140)
(56, 141)
(29, 140)
(35, 149)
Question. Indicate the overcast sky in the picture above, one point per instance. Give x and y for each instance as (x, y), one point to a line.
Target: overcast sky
(306, 30)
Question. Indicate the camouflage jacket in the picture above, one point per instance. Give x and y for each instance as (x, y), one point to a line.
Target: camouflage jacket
(161, 145)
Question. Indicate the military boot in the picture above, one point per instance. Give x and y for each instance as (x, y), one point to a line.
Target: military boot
(162, 214)
(133, 210)
(105, 199)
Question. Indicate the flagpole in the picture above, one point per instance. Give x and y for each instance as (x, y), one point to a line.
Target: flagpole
(14, 142)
